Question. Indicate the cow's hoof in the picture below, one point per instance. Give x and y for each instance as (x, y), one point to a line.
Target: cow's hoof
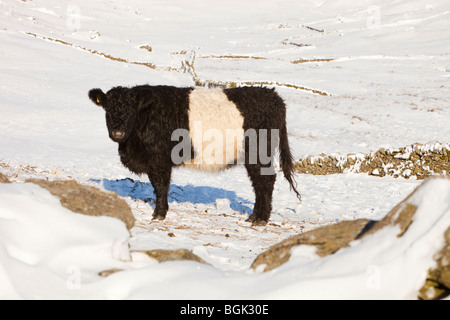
(159, 217)
(257, 222)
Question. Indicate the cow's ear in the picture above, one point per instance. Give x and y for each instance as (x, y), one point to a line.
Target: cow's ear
(97, 96)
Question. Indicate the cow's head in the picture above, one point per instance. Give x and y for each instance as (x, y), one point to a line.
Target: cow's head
(121, 109)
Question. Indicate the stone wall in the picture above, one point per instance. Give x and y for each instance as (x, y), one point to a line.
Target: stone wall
(417, 160)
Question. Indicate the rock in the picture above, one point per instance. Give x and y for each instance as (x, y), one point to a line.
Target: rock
(107, 273)
(330, 239)
(327, 240)
(432, 290)
(437, 285)
(401, 215)
(376, 172)
(444, 277)
(173, 255)
(88, 200)
(4, 179)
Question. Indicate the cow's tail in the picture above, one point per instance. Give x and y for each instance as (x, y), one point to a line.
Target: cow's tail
(286, 159)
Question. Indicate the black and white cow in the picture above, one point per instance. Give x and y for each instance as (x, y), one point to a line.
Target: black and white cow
(161, 127)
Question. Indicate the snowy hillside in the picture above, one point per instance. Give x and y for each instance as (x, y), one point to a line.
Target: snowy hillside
(355, 78)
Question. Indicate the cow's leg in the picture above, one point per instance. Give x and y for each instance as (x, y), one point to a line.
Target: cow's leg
(263, 186)
(160, 180)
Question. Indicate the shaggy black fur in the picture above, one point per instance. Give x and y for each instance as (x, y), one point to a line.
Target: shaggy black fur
(263, 108)
(142, 119)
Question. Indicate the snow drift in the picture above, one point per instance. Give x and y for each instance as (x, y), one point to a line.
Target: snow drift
(49, 252)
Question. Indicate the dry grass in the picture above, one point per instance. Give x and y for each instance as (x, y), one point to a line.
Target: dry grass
(232, 57)
(312, 60)
(188, 66)
(102, 54)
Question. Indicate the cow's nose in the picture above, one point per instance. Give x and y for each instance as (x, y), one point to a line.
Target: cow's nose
(117, 135)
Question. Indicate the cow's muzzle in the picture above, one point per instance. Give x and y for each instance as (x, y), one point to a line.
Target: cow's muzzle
(117, 135)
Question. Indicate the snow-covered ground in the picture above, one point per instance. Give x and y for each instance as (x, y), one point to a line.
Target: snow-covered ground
(355, 77)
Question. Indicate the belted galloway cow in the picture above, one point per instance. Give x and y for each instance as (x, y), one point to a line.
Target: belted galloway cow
(158, 128)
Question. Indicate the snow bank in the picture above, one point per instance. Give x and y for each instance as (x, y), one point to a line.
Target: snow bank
(382, 265)
(48, 252)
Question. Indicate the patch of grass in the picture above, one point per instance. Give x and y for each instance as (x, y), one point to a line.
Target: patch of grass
(233, 57)
(312, 60)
